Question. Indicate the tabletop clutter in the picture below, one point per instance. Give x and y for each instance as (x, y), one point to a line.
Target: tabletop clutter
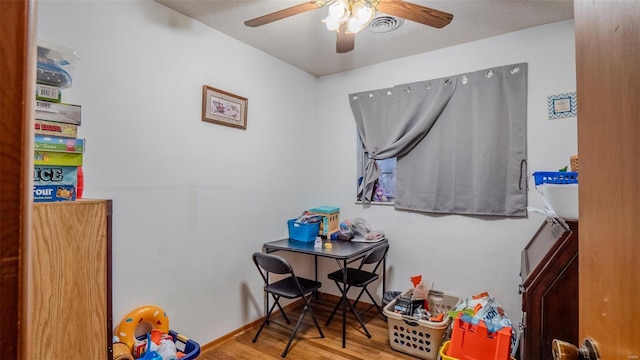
(425, 323)
(324, 222)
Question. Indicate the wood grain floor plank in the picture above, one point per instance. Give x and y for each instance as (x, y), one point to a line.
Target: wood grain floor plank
(307, 344)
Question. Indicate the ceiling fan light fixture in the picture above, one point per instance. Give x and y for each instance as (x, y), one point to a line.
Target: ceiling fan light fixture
(339, 9)
(348, 17)
(352, 25)
(355, 14)
(332, 24)
(361, 15)
(338, 13)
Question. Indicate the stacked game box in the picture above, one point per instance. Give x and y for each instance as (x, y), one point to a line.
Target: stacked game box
(57, 149)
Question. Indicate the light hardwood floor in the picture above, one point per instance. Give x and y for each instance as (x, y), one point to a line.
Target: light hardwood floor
(308, 345)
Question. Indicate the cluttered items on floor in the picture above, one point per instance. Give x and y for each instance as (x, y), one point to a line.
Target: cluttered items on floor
(418, 319)
(160, 343)
(480, 330)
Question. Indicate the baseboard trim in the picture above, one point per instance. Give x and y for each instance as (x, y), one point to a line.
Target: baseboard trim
(224, 338)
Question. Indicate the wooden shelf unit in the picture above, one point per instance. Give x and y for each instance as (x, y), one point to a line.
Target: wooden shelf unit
(70, 280)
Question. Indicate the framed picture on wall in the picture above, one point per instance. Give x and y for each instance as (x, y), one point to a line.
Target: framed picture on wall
(562, 105)
(224, 108)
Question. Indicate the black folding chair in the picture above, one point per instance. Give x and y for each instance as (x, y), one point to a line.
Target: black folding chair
(359, 278)
(291, 287)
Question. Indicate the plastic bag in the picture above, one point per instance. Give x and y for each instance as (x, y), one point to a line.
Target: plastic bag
(486, 308)
(358, 226)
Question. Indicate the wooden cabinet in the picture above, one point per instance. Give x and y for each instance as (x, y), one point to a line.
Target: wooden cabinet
(70, 281)
(549, 271)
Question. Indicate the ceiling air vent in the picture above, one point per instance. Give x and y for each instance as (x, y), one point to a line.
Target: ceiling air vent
(384, 24)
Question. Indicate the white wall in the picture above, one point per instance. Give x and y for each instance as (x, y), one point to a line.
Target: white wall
(193, 200)
(460, 254)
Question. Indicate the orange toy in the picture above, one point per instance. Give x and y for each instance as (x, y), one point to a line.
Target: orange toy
(150, 314)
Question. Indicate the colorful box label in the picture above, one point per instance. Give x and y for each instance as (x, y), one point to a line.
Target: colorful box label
(49, 193)
(55, 175)
(56, 129)
(57, 158)
(58, 144)
(58, 112)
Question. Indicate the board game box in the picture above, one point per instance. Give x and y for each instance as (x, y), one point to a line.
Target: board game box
(59, 112)
(58, 144)
(49, 193)
(44, 127)
(57, 158)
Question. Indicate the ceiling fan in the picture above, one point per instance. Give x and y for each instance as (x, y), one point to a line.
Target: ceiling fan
(348, 17)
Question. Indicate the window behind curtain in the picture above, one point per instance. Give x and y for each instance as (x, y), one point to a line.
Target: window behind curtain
(467, 157)
(385, 186)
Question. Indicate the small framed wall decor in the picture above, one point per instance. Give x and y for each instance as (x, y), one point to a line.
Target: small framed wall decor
(224, 108)
(562, 105)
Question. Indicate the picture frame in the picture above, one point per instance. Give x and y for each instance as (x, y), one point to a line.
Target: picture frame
(224, 108)
(562, 105)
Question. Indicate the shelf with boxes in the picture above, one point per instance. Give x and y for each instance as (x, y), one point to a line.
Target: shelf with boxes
(58, 152)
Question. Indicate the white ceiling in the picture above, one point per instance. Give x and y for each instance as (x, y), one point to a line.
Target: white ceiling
(303, 41)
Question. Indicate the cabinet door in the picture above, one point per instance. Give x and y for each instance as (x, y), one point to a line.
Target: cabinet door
(550, 290)
(69, 296)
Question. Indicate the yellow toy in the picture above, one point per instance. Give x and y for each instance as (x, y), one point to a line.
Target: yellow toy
(150, 314)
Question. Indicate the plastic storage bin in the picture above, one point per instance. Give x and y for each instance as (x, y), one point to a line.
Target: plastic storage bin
(546, 177)
(559, 192)
(445, 349)
(55, 64)
(303, 232)
(561, 199)
(475, 342)
(188, 347)
(420, 338)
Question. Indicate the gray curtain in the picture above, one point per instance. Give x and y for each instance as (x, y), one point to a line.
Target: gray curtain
(392, 121)
(469, 158)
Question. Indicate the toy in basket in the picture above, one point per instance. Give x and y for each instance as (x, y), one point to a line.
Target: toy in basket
(419, 337)
(481, 330)
(477, 341)
(171, 346)
(159, 344)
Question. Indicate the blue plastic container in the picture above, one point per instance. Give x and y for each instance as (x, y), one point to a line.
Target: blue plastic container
(190, 348)
(546, 177)
(303, 232)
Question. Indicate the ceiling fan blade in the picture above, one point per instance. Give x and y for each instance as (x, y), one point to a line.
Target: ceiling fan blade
(415, 12)
(344, 42)
(284, 13)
